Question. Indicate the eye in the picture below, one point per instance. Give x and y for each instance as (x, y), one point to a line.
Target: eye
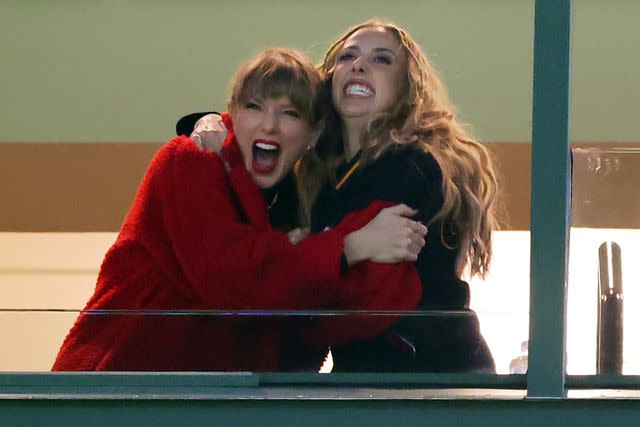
(252, 106)
(382, 59)
(346, 56)
(292, 113)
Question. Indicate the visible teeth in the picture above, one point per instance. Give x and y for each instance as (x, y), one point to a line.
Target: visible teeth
(267, 147)
(358, 90)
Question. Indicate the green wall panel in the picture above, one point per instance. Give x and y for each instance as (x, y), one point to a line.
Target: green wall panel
(125, 70)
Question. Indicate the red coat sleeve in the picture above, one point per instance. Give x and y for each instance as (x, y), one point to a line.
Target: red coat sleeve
(367, 286)
(399, 289)
(376, 286)
(225, 256)
(226, 262)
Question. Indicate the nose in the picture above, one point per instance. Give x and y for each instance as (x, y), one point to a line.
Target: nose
(270, 122)
(357, 66)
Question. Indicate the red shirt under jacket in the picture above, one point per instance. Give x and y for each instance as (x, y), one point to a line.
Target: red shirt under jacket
(198, 238)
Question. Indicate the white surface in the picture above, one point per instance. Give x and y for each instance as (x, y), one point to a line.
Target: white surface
(58, 270)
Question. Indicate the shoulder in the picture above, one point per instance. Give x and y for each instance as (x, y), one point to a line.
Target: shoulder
(183, 148)
(413, 172)
(411, 161)
(182, 153)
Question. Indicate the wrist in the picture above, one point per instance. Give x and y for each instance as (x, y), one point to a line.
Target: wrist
(354, 248)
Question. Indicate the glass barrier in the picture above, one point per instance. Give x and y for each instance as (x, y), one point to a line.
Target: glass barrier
(45, 279)
(602, 300)
(603, 296)
(436, 341)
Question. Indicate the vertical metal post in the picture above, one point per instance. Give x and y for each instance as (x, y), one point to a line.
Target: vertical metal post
(550, 199)
(610, 341)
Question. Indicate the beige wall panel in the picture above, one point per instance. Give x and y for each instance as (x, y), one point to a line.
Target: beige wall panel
(89, 187)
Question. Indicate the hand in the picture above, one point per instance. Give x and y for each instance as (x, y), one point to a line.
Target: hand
(391, 237)
(209, 133)
(298, 235)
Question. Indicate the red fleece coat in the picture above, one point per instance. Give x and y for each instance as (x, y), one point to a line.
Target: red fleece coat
(197, 238)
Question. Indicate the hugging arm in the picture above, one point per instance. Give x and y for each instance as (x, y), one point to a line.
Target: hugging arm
(229, 263)
(399, 288)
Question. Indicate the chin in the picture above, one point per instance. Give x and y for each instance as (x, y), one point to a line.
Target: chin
(265, 183)
(268, 181)
(355, 112)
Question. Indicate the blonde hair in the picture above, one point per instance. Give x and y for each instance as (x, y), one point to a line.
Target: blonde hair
(280, 72)
(423, 117)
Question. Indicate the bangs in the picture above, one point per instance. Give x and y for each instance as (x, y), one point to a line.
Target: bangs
(280, 82)
(276, 79)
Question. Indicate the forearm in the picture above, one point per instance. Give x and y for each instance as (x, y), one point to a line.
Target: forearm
(367, 287)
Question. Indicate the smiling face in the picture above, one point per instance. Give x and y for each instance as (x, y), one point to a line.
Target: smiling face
(369, 74)
(272, 135)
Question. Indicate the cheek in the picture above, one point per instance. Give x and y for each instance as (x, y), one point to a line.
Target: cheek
(297, 141)
(244, 140)
(294, 156)
(401, 83)
(401, 79)
(243, 128)
(335, 96)
(335, 82)
(394, 86)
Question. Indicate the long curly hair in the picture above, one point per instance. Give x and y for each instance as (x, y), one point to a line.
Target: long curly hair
(424, 117)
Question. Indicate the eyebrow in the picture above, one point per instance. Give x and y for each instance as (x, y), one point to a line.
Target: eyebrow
(259, 98)
(376, 49)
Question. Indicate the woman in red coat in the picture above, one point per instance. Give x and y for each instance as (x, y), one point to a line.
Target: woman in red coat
(198, 238)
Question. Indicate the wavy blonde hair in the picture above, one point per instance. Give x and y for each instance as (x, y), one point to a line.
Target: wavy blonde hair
(424, 117)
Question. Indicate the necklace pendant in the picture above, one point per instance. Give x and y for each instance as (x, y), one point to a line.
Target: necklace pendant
(273, 201)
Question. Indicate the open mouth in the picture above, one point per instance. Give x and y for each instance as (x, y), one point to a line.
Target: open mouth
(265, 156)
(357, 89)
